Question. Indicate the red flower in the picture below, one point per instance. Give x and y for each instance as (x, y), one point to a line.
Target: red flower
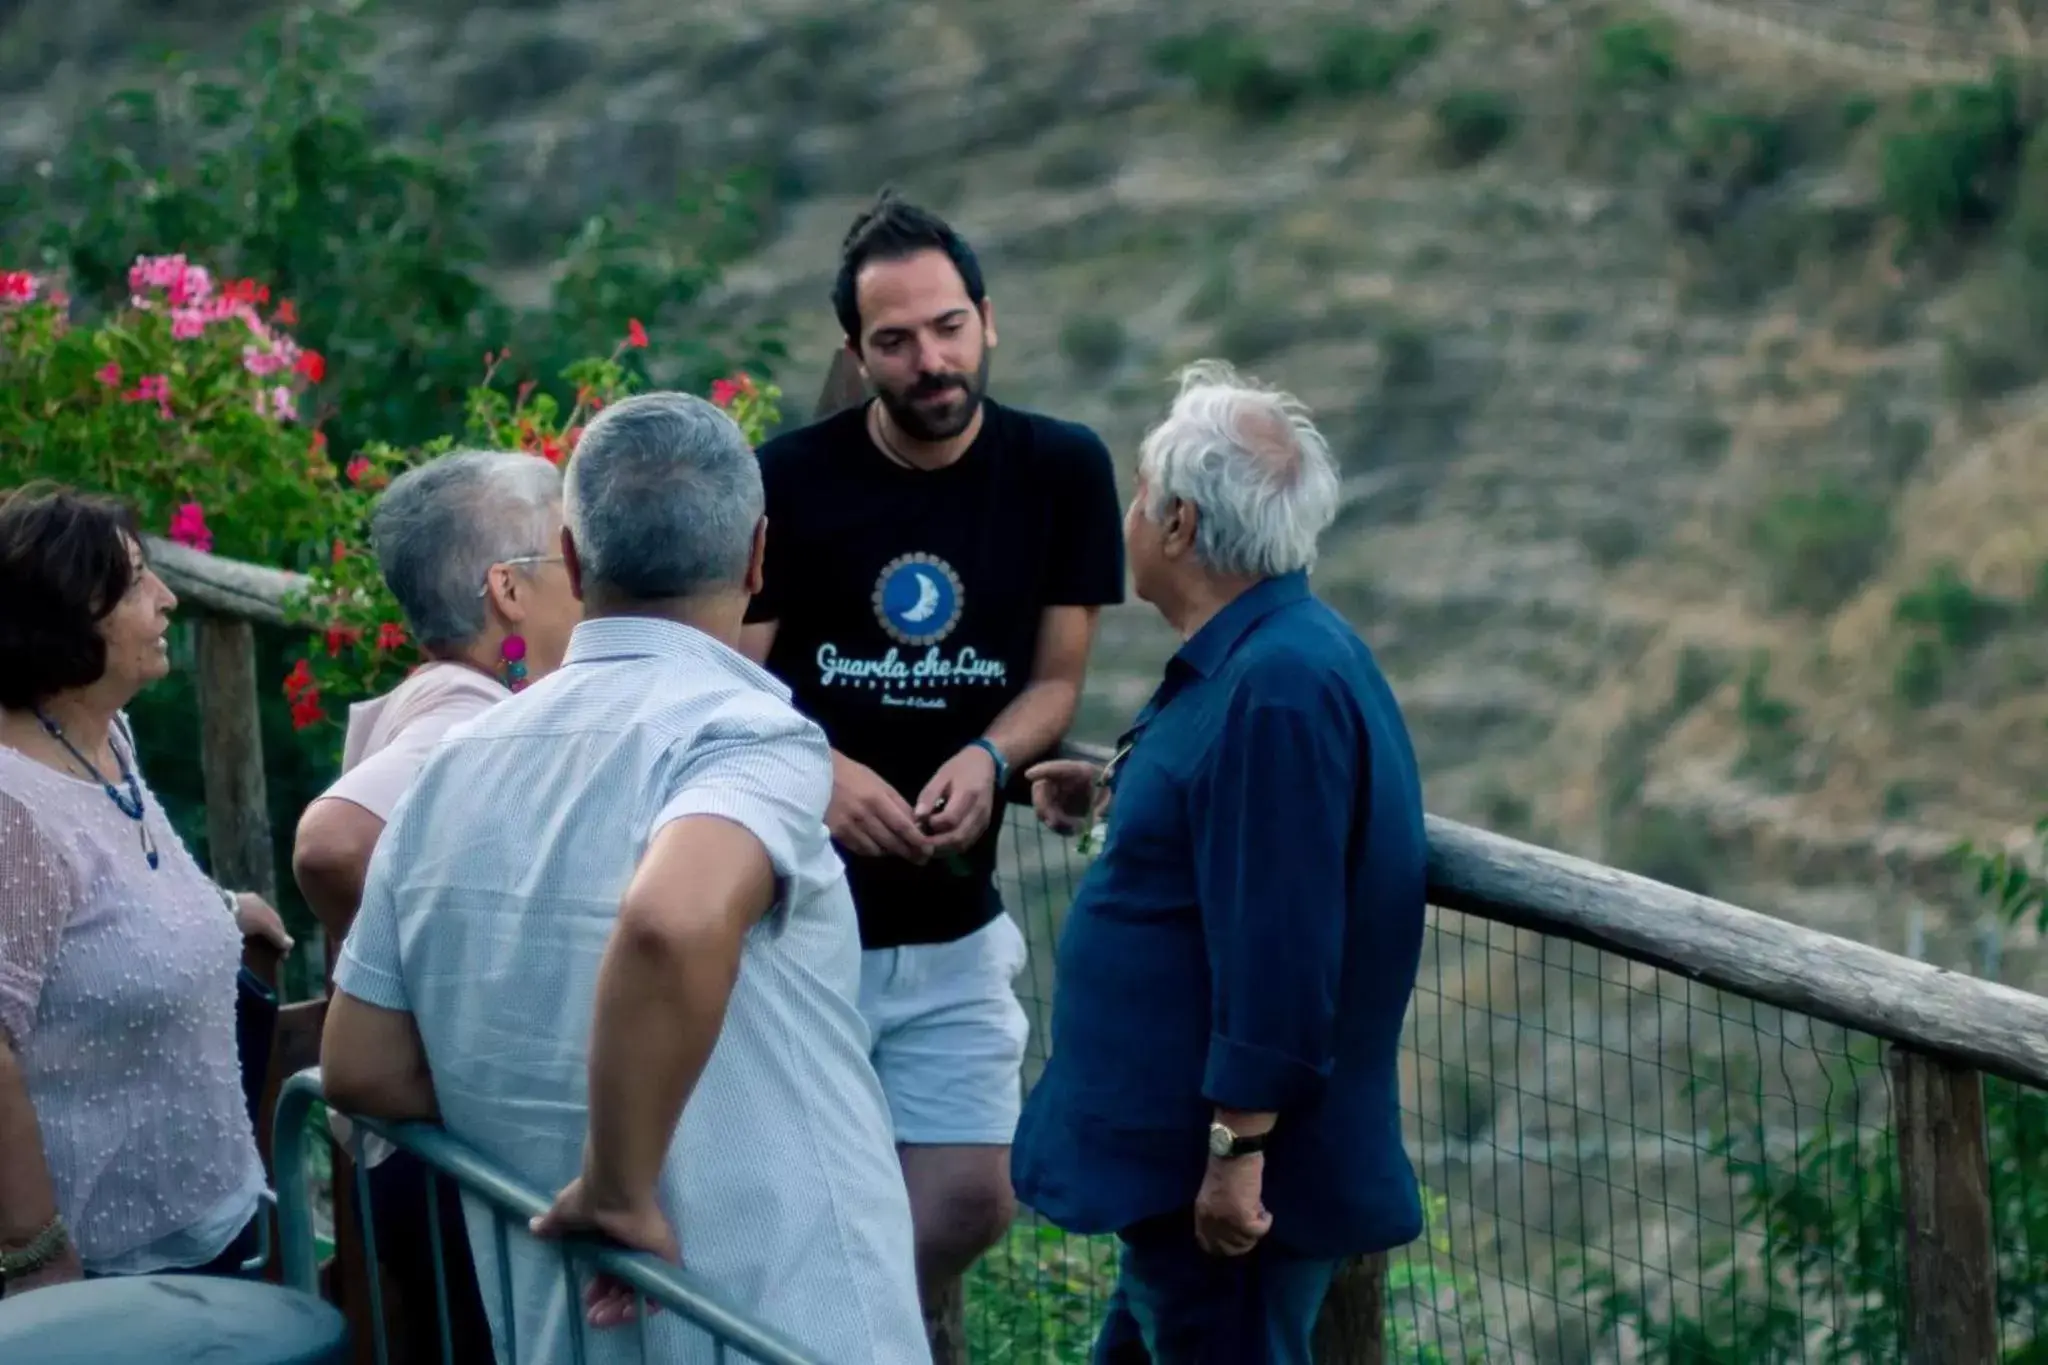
(341, 637)
(246, 291)
(299, 680)
(312, 365)
(390, 636)
(357, 469)
(551, 450)
(724, 392)
(636, 335)
(306, 710)
(341, 553)
(287, 313)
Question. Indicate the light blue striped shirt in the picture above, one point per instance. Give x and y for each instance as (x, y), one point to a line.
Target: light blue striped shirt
(489, 902)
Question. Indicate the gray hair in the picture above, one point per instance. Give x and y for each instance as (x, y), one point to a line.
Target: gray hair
(663, 497)
(441, 526)
(1253, 465)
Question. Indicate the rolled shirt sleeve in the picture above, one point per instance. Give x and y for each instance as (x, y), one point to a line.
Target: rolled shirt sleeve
(1273, 816)
(770, 773)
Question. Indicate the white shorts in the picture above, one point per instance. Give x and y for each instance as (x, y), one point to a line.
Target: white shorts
(949, 1035)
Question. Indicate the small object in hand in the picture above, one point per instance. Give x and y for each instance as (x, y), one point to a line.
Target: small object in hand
(1092, 839)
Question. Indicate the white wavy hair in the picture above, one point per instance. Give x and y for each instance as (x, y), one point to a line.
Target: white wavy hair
(1251, 462)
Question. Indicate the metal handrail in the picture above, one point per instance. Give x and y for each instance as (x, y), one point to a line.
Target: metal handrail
(661, 1283)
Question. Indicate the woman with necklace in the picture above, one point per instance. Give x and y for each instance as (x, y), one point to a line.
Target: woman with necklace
(125, 1143)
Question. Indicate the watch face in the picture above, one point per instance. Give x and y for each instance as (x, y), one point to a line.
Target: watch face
(1220, 1140)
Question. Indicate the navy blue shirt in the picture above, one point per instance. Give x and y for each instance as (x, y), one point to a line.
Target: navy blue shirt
(1248, 939)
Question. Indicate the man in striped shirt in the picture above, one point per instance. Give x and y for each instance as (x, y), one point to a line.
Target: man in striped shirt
(606, 940)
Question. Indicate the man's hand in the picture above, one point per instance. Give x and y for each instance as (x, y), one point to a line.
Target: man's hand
(255, 917)
(956, 804)
(870, 817)
(1230, 1213)
(1065, 794)
(640, 1225)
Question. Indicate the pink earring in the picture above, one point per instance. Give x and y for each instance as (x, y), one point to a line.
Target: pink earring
(513, 652)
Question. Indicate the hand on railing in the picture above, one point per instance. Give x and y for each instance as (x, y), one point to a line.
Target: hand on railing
(608, 1301)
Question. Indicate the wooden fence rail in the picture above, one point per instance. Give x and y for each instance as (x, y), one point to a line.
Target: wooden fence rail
(1946, 1029)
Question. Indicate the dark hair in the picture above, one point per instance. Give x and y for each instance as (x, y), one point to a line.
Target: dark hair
(63, 566)
(891, 230)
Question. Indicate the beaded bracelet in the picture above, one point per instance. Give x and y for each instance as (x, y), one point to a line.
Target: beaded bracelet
(42, 1249)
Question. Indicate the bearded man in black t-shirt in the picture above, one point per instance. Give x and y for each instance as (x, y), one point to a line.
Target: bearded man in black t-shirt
(935, 565)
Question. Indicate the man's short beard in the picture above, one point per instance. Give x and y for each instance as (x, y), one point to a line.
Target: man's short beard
(909, 420)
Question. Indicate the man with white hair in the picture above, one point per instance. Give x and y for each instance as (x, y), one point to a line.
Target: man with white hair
(606, 941)
(1236, 965)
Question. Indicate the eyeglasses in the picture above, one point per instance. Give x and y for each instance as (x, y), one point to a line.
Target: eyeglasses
(484, 591)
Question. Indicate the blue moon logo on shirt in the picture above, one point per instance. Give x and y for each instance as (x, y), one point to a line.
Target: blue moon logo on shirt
(917, 599)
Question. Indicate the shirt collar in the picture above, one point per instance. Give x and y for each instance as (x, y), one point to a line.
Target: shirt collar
(644, 637)
(1213, 643)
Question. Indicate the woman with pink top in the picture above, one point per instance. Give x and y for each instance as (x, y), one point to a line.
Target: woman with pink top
(470, 545)
(125, 1141)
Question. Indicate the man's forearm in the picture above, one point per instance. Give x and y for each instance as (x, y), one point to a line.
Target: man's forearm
(661, 1001)
(1031, 726)
(28, 1201)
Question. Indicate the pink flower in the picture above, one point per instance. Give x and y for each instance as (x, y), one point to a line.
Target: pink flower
(187, 323)
(636, 335)
(723, 392)
(18, 286)
(263, 362)
(357, 468)
(109, 373)
(277, 403)
(182, 284)
(188, 527)
(152, 388)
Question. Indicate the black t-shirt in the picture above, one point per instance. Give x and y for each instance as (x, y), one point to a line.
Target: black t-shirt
(909, 604)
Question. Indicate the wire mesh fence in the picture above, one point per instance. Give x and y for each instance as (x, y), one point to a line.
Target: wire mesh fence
(1619, 1165)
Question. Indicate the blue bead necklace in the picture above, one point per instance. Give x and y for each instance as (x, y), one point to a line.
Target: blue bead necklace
(129, 803)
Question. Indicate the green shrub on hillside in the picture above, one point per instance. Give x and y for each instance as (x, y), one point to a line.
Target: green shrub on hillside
(1360, 59)
(1472, 124)
(1093, 341)
(1952, 168)
(1634, 56)
(1771, 740)
(1960, 617)
(1817, 548)
(1232, 67)
(1950, 618)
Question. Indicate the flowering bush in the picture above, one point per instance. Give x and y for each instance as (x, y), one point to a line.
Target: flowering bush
(361, 646)
(185, 401)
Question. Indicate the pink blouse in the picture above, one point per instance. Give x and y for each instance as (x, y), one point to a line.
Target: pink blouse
(117, 996)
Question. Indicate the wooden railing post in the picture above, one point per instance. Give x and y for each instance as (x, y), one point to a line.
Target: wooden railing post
(1945, 1194)
(1352, 1328)
(231, 758)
